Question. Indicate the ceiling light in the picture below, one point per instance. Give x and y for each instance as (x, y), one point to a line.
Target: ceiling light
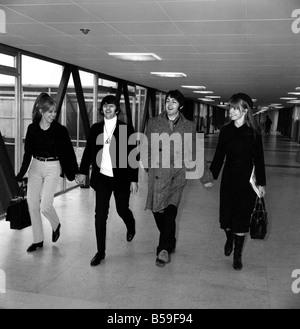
(297, 88)
(203, 92)
(136, 57)
(170, 74)
(288, 98)
(194, 87)
(206, 99)
(294, 93)
(275, 104)
(294, 101)
(254, 100)
(213, 96)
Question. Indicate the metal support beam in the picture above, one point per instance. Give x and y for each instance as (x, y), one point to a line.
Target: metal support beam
(61, 92)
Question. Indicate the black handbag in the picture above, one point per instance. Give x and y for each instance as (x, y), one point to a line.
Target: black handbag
(17, 212)
(259, 220)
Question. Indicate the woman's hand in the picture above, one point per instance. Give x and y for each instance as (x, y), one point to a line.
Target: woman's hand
(262, 191)
(208, 186)
(134, 187)
(80, 179)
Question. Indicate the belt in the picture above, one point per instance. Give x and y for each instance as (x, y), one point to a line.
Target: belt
(46, 159)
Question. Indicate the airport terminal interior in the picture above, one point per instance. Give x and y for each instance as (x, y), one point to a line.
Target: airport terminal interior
(199, 276)
(209, 50)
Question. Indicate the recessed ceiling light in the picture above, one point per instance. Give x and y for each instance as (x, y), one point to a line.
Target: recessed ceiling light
(208, 96)
(275, 104)
(294, 101)
(206, 99)
(294, 93)
(254, 100)
(203, 92)
(297, 88)
(170, 74)
(288, 98)
(136, 57)
(194, 87)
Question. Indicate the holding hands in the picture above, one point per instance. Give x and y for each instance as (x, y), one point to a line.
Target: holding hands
(80, 179)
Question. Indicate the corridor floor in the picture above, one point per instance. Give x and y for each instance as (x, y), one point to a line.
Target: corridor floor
(199, 276)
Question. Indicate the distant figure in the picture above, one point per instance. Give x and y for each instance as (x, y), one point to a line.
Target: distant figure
(268, 124)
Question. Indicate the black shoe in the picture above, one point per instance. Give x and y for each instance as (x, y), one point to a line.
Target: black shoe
(130, 236)
(96, 260)
(35, 246)
(56, 234)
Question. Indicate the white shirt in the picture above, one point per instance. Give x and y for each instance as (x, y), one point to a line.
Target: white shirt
(108, 130)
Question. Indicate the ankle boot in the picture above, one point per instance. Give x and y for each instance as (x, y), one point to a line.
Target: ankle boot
(237, 254)
(229, 243)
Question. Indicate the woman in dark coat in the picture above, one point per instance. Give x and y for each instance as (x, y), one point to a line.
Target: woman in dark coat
(240, 141)
(49, 154)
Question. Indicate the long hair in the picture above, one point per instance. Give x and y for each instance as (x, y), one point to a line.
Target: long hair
(43, 102)
(176, 94)
(110, 99)
(243, 102)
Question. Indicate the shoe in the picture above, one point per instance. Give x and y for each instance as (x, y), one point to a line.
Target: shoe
(96, 260)
(35, 246)
(56, 234)
(162, 259)
(130, 236)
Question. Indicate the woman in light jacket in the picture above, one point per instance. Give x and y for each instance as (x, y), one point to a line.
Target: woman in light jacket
(49, 154)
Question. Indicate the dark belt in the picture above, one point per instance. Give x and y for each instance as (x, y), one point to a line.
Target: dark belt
(46, 159)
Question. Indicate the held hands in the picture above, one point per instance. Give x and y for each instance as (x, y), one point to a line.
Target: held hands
(262, 191)
(80, 179)
(134, 187)
(208, 186)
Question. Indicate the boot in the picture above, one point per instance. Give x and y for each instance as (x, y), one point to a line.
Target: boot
(237, 254)
(229, 243)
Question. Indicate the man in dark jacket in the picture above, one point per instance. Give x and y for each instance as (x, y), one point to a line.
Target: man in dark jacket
(111, 171)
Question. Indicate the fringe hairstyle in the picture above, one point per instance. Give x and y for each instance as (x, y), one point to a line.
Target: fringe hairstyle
(244, 102)
(176, 94)
(44, 102)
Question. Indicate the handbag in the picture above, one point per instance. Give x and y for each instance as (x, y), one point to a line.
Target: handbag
(17, 212)
(259, 220)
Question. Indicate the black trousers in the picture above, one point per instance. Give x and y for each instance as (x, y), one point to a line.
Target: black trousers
(105, 187)
(166, 224)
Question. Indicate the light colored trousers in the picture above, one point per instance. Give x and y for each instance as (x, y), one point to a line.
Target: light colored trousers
(43, 178)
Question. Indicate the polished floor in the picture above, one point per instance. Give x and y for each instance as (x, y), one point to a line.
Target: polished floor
(199, 276)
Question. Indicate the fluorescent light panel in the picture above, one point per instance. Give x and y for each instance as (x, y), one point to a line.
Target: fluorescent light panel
(170, 74)
(206, 99)
(136, 57)
(194, 87)
(203, 92)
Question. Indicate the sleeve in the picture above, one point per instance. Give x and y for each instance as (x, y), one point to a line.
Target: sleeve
(146, 147)
(259, 161)
(87, 153)
(67, 156)
(28, 152)
(133, 172)
(219, 157)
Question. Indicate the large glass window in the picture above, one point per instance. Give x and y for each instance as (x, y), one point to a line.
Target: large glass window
(8, 114)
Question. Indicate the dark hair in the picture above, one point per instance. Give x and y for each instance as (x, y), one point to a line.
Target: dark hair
(110, 99)
(43, 102)
(244, 102)
(176, 94)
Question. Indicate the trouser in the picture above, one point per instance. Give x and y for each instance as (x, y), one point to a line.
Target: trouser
(166, 224)
(105, 186)
(43, 179)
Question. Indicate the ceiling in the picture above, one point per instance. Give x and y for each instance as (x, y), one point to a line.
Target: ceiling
(228, 46)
